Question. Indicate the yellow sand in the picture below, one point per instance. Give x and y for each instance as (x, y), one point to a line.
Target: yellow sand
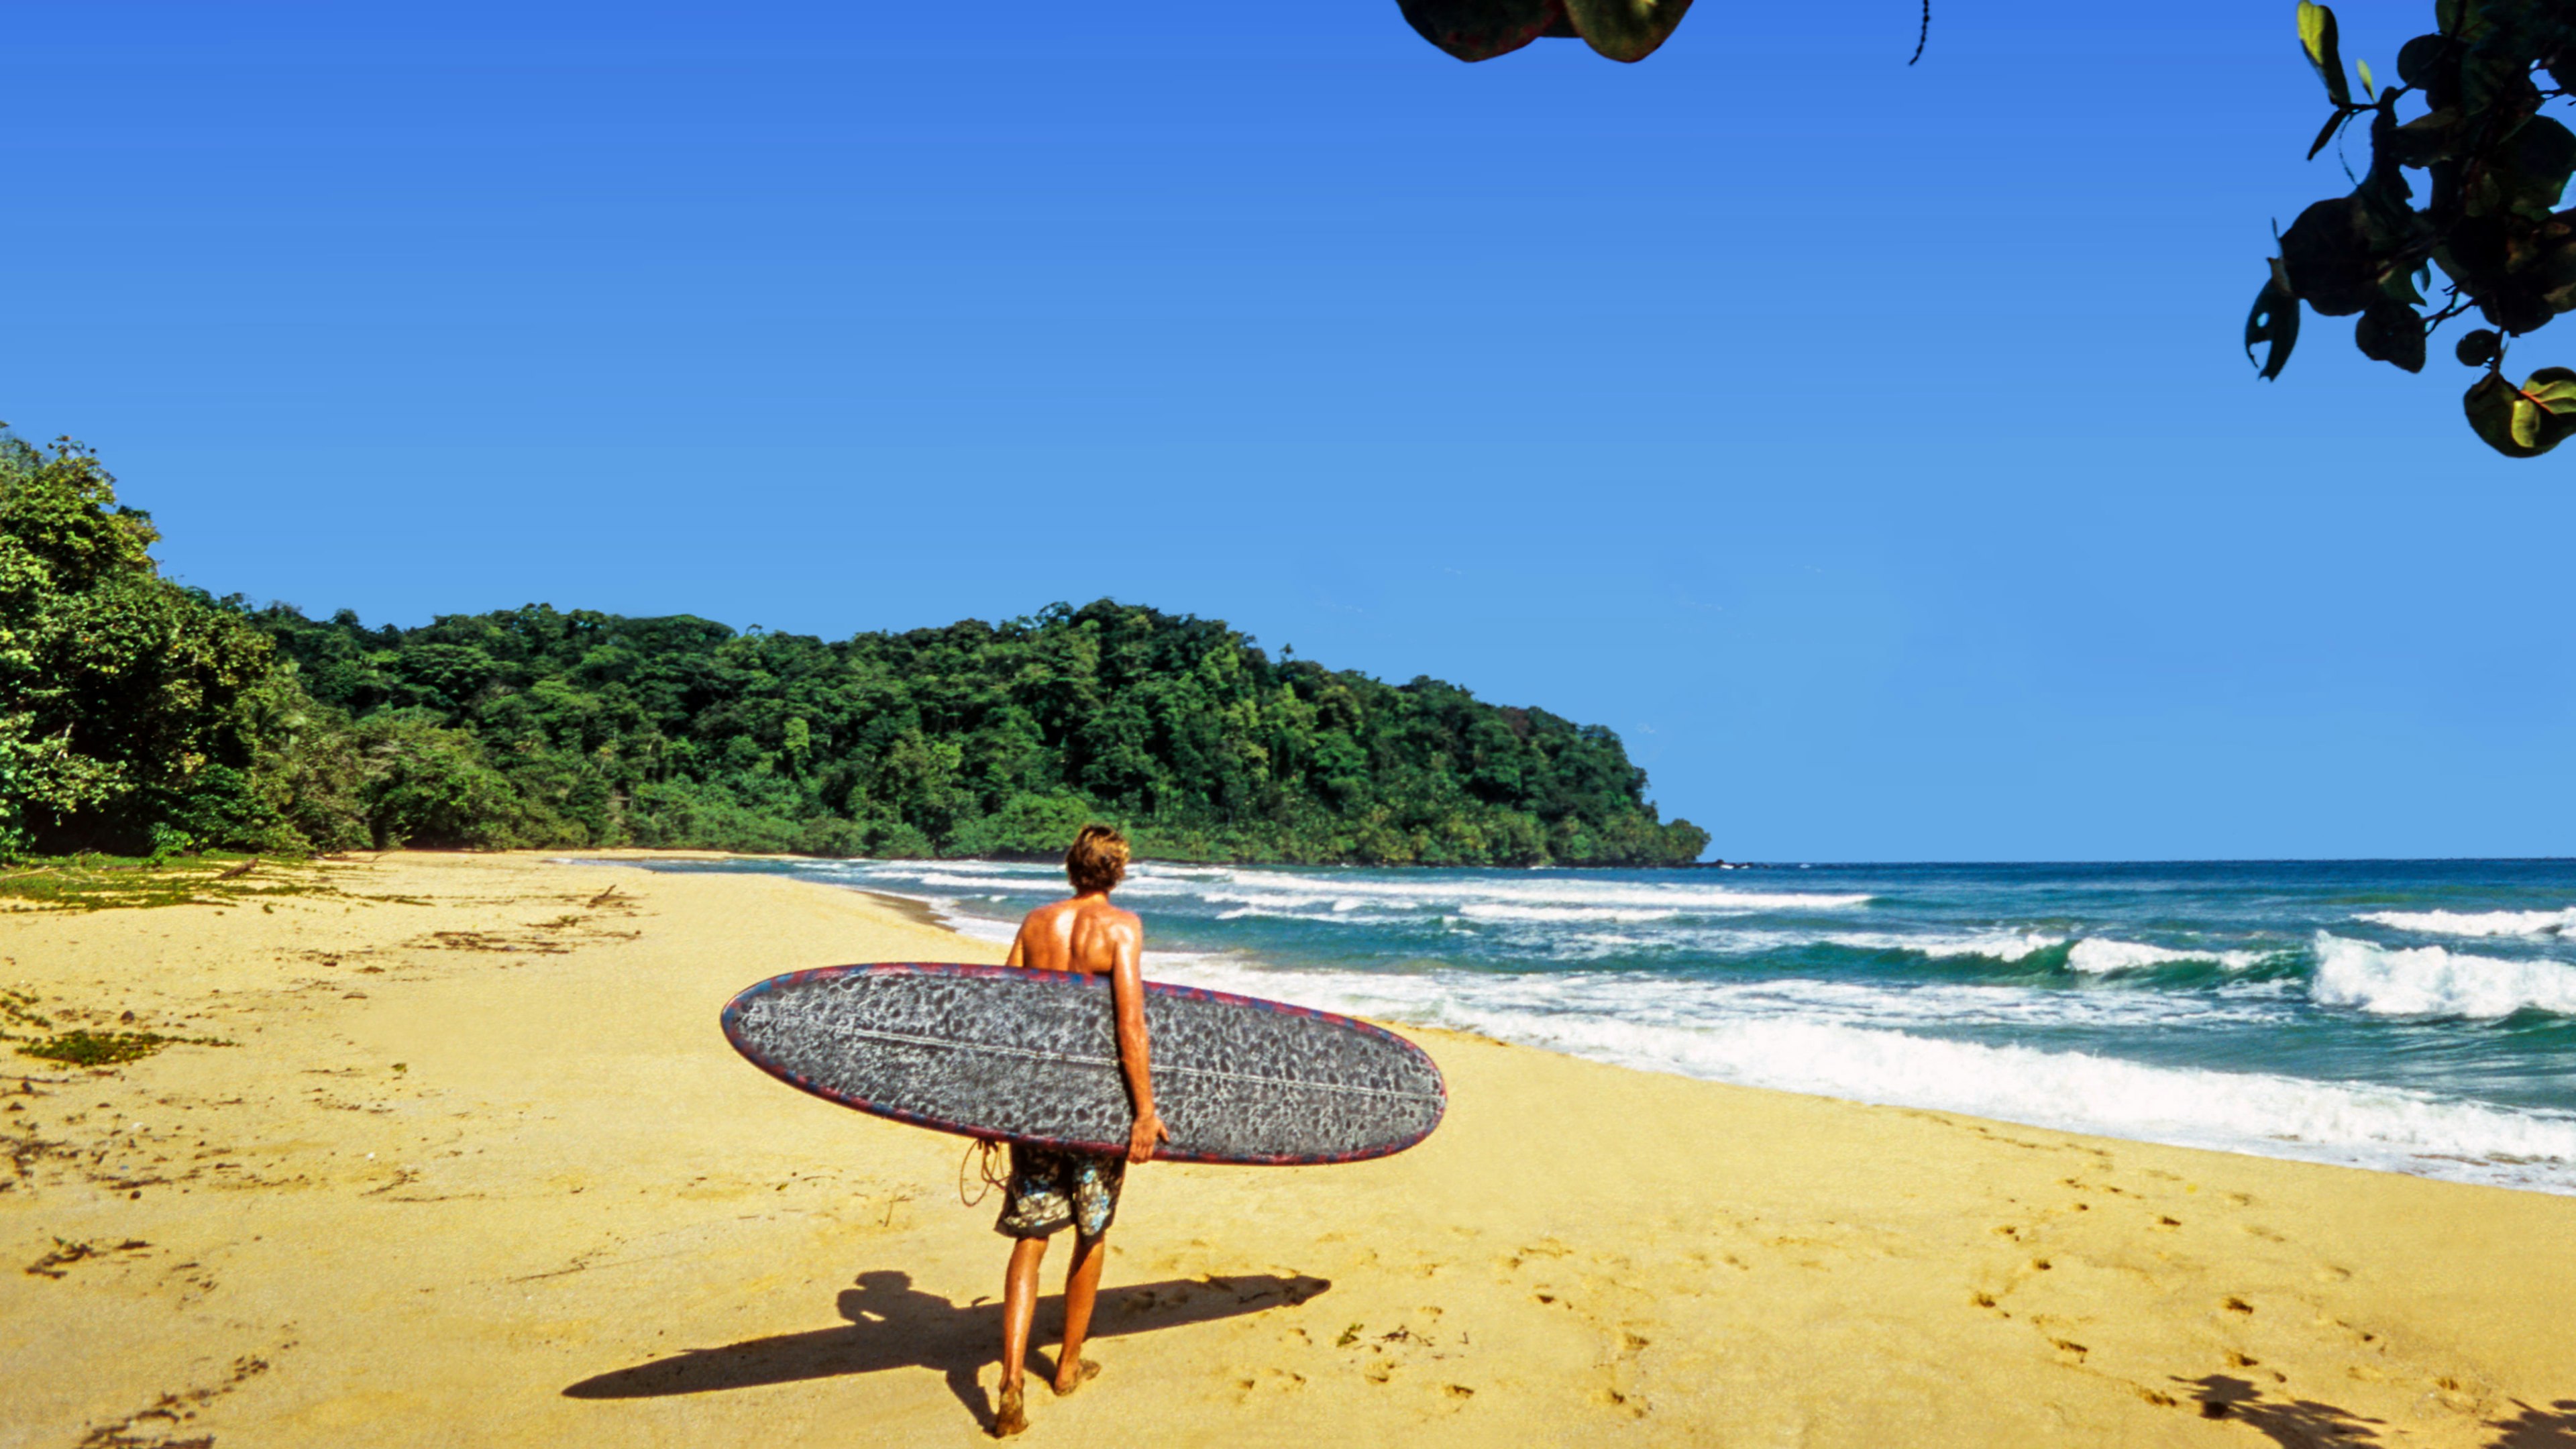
(508, 1185)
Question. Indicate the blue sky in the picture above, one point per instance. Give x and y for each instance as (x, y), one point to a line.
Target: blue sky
(1869, 446)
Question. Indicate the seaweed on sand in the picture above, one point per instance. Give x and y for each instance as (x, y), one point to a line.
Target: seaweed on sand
(104, 882)
(78, 1046)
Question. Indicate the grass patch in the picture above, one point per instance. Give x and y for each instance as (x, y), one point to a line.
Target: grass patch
(79, 1046)
(106, 1048)
(109, 882)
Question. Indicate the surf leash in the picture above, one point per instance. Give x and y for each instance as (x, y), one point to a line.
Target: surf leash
(985, 1168)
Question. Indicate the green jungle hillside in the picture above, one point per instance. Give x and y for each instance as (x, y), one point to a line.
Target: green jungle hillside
(139, 716)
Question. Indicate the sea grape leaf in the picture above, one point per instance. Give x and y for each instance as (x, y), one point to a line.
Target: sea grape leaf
(1482, 29)
(1627, 30)
(2551, 272)
(2369, 92)
(2534, 165)
(2478, 348)
(2326, 132)
(2525, 421)
(2317, 38)
(2489, 404)
(2327, 254)
(2274, 321)
(2427, 62)
(2550, 396)
(2391, 332)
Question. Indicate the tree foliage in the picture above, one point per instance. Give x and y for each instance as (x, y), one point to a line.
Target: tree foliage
(538, 726)
(138, 715)
(2464, 177)
(133, 712)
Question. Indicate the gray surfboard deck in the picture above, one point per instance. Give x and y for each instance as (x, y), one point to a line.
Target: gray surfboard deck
(1032, 1056)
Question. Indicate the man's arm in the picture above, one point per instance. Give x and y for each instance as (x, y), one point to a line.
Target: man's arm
(1127, 993)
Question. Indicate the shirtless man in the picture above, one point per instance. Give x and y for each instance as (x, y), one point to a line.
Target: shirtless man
(1049, 1188)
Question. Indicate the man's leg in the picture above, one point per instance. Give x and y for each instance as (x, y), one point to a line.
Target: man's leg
(1019, 1310)
(1081, 1285)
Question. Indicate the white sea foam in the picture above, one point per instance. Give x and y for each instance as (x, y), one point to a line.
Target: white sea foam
(2432, 981)
(1452, 892)
(1995, 945)
(1793, 1046)
(1484, 911)
(2102, 956)
(942, 880)
(1532, 897)
(2476, 923)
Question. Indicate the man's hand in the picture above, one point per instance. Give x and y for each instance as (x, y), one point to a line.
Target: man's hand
(1149, 1130)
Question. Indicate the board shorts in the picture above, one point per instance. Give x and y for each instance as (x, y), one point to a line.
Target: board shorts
(1051, 1187)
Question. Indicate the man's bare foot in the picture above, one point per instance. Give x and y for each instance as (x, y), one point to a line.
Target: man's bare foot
(1064, 1386)
(1014, 1418)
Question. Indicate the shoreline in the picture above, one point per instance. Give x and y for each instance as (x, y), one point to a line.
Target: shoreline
(2242, 1106)
(480, 1167)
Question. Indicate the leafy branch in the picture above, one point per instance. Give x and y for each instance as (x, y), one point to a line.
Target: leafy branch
(2492, 170)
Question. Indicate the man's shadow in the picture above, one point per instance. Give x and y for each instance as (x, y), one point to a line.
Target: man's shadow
(895, 1325)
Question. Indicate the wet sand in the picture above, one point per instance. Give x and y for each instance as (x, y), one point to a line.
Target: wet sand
(479, 1169)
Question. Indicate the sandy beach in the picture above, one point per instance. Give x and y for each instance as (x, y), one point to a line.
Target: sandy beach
(476, 1167)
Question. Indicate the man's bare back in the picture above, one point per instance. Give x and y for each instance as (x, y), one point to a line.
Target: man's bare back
(1084, 934)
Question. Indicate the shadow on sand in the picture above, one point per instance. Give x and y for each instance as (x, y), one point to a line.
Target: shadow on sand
(2307, 1424)
(2550, 1428)
(895, 1325)
(2296, 1423)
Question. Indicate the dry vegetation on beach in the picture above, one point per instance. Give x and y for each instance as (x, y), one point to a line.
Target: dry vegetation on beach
(475, 1166)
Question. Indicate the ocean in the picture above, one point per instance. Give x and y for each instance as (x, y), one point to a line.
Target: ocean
(2411, 1017)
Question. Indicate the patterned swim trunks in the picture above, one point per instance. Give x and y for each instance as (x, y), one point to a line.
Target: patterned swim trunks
(1050, 1188)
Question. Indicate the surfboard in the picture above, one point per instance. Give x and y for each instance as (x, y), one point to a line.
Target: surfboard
(1013, 1055)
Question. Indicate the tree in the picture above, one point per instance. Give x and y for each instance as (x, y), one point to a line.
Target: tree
(130, 708)
(2492, 170)
(537, 726)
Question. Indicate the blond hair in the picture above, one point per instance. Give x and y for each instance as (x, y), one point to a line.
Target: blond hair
(1098, 859)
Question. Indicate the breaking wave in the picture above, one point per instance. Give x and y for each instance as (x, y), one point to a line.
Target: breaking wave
(2475, 923)
(2432, 981)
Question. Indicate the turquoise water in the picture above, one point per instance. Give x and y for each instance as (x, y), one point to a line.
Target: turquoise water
(2416, 1017)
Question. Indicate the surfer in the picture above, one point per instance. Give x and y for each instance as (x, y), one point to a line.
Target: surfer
(1050, 1189)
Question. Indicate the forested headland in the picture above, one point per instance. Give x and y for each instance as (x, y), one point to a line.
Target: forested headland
(138, 716)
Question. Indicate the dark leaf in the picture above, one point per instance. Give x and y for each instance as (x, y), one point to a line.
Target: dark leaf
(2479, 348)
(1626, 30)
(2427, 61)
(2533, 165)
(2391, 332)
(2317, 38)
(2489, 404)
(2326, 132)
(1482, 29)
(2493, 79)
(2327, 254)
(2551, 269)
(2430, 137)
(2274, 320)
(2475, 253)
